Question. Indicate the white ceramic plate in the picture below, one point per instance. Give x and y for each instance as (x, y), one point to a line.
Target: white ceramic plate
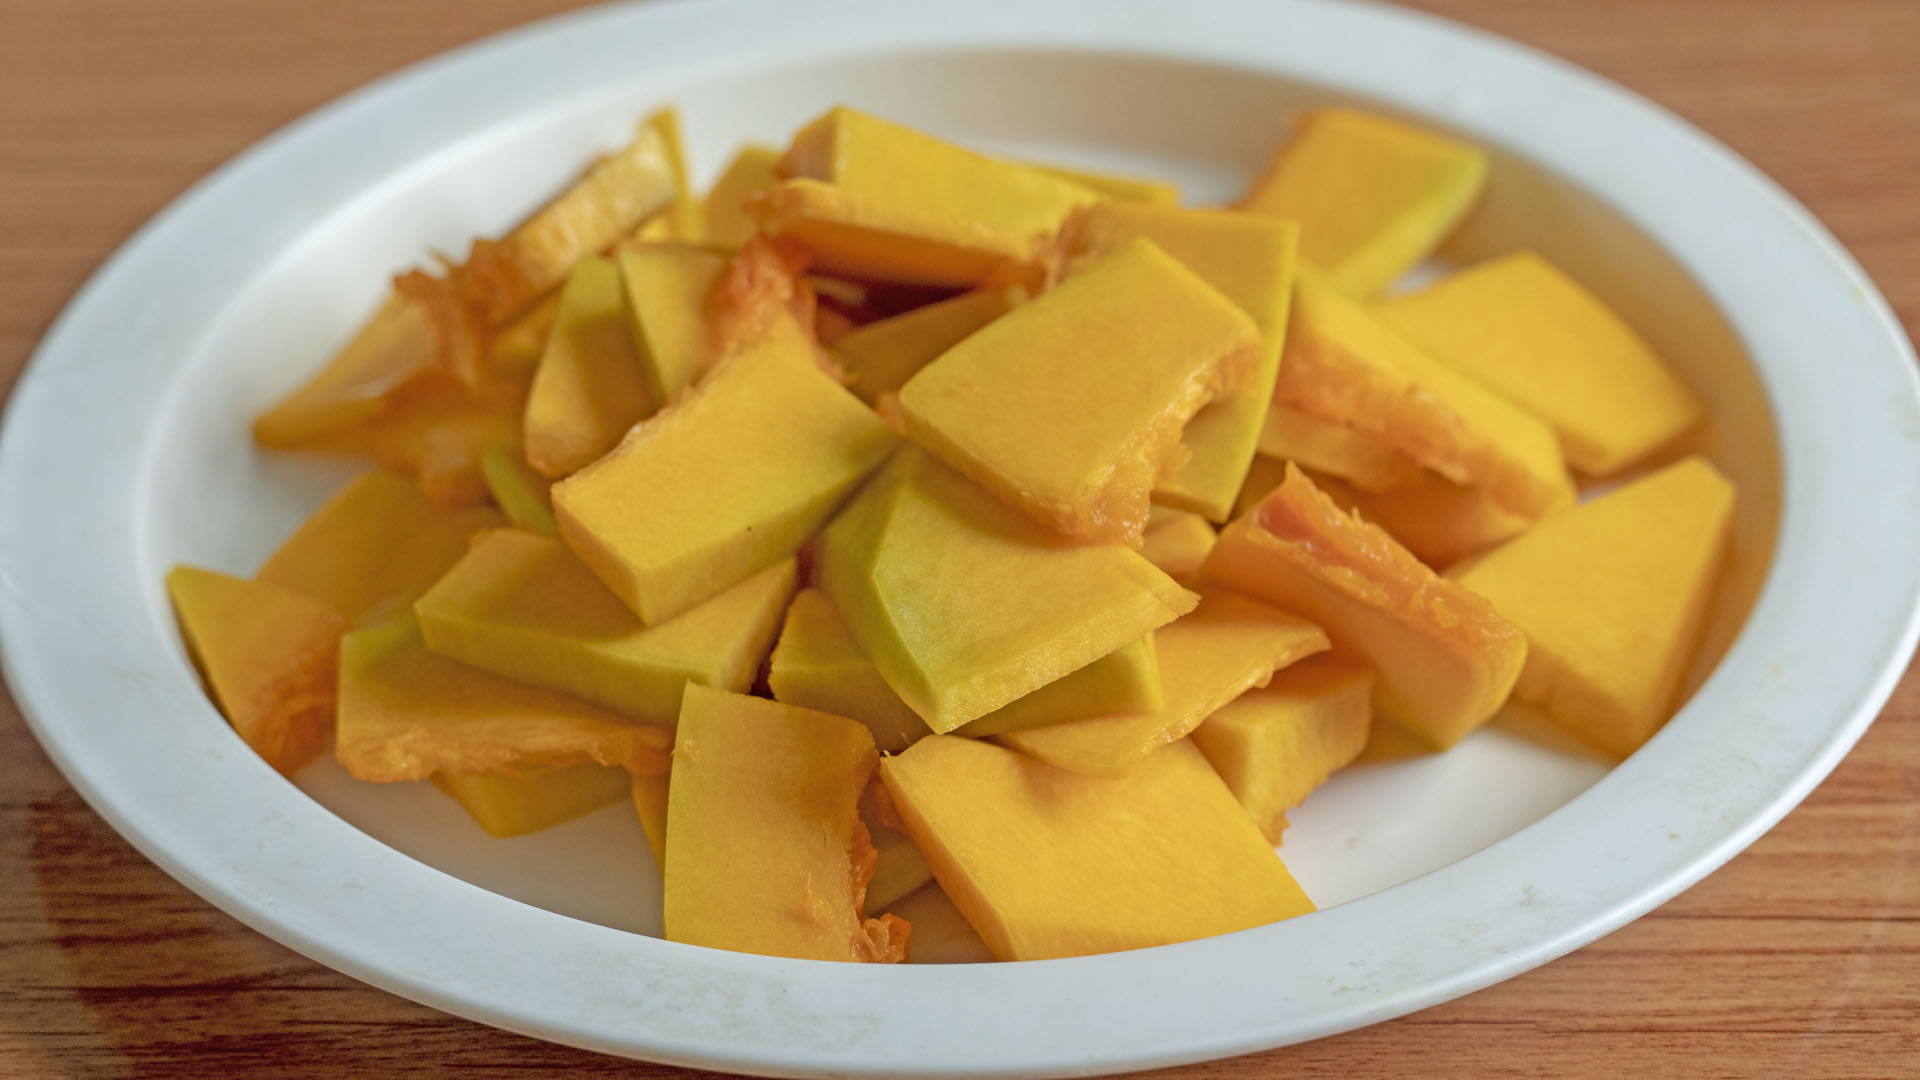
(125, 450)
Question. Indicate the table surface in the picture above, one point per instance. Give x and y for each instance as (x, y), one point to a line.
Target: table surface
(1801, 958)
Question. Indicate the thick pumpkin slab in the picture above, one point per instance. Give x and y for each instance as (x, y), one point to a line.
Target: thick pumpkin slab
(1177, 541)
(882, 355)
(941, 935)
(874, 199)
(1208, 657)
(1276, 744)
(406, 713)
(1250, 260)
(526, 801)
(267, 657)
(1612, 595)
(1326, 448)
(1526, 329)
(667, 287)
(765, 850)
(588, 388)
(722, 484)
(965, 605)
(373, 547)
(1437, 520)
(1373, 196)
(524, 607)
(725, 222)
(1445, 658)
(1048, 863)
(1070, 406)
(1344, 366)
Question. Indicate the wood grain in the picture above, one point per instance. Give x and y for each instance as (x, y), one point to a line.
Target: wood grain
(1799, 959)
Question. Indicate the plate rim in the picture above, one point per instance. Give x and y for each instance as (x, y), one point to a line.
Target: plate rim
(1203, 31)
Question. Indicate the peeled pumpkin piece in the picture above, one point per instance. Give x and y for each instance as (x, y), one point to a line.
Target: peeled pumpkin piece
(1333, 449)
(1250, 260)
(1177, 541)
(1070, 407)
(875, 199)
(725, 220)
(650, 802)
(721, 484)
(1373, 196)
(519, 802)
(405, 714)
(898, 866)
(965, 605)
(399, 342)
(519, 493)
(1445, 658)
(373, 547)
(1436, 519)
(667, 288)
(1344, 366)
(882, 355)
(1274, 745)
(1523, 327)
(1208, 657)
(1126, 679)
(523, 607)
(1049, 863)
(765, 849)
(267, 656)
(1612, 595)
(1128, 189)
(941, 935)
(588, 389)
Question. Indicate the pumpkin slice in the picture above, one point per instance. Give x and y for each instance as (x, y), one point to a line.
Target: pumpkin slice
(588, 389)
(524, 607)
(406, 714)
(898, 866)
(965, 605)
(267, 656)
(1445, 658)
(1373, 196)
(521, 494)
(765, 850)
(722, 484)
(1049, 863)
(1437, 520)
(873, 199)
(941, 935)
(1325, 448)
(882, 355)
(400, 342)
(526, 801)
(667, 287)
(374, 547)
(1343, 366)
(1177, 541)
(516, 348)
(1208, 657)
(1127, 189)
(650, 802)
(1275, 745)
(1612, 595)
(1524, 328)
(1250, 260)
(1013, 406)
(725, 221)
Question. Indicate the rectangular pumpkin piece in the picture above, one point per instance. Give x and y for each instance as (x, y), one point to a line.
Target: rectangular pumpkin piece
(765, 850)
(406, 714)
(1344, 366)
(722, 484)
(1208, 657)
(667, 287)
(964, 605)
(1071, 405)
(1373, 196)
(267, 656)
(519, 802)
(1250, 260)
(1524, 328)
(874, 199)
(882, 355)
(1612, 595)
(1049, 863)
(1445, 658)
(523, 607)
(1276, 744)
(588, 389)
(373, 547)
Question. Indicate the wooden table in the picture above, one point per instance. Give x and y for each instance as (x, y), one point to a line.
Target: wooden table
(1799, 959)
